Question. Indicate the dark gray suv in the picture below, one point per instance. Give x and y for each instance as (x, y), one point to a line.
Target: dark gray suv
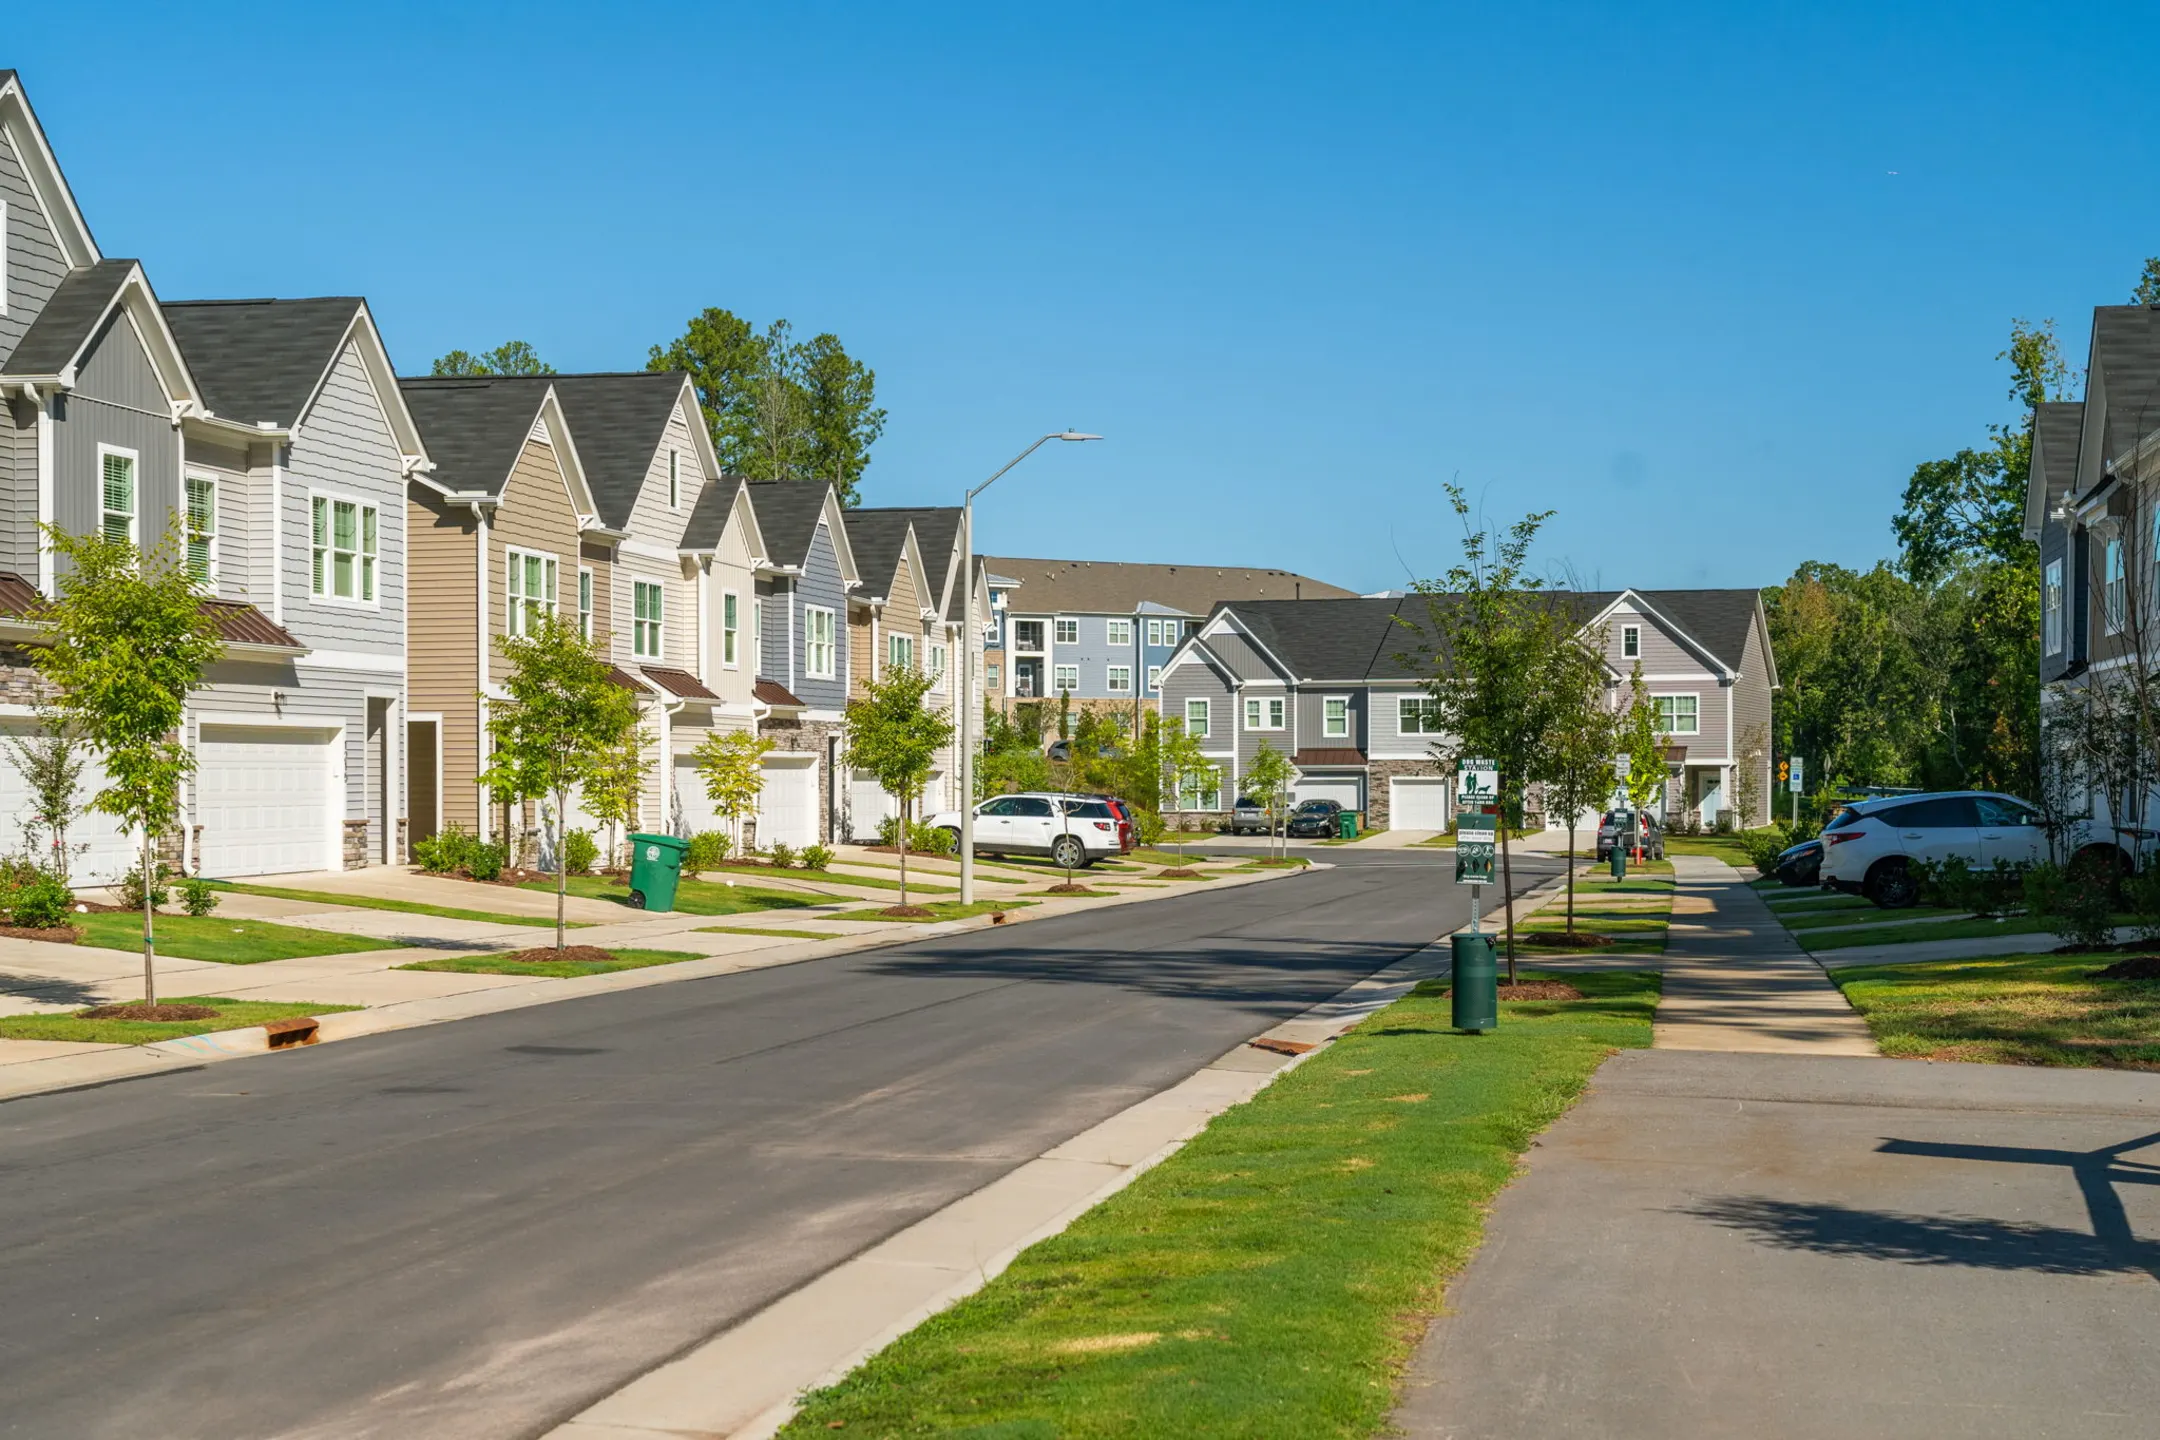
(1625, 824)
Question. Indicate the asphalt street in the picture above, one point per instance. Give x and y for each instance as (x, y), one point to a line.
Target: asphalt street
(476, 1229)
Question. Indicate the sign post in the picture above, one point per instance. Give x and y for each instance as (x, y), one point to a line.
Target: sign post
(1477, 784)
(1474, 978)
(1795, 786)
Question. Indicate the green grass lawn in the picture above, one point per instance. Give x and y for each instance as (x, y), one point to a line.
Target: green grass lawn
(2017, 1010)
(692, 897)
(1088, 893)
(232, 1015)
(867, 882)
(939, 910)
(752, 930)
(1156, 855)
(229, 942)
(1897, 934)
(402, 907)
(1815, 902)
(1637, 883)
(553, 969)
(1267, 1281)
(1718, 847)
(1866, 915)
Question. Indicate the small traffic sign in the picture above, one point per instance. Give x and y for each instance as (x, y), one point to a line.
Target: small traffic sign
(1476, 846)
(1796, 773)
(1622, 765)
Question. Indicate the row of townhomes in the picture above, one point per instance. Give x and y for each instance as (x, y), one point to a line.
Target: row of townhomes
(1334, 684)
(363, 541)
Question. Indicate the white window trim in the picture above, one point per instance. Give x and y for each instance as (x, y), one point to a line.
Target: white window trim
(1327, 734)
(1403, 707)
(210, 577)
(939, 659)
(810, 644)
(1258, 704)
(328, 594)
(1694, 695)
(588, 591)
(1111, 632)
(1207, 716)
(895, 644)
(1110, 680)
(1058, 624)
(659, 626)
(730, 632)
(2051, 607)
(1041, 647)
(1057, 679)
(1154, 632)
(513, 599)
(2114, 585)
(134, 459)
(1154, 677)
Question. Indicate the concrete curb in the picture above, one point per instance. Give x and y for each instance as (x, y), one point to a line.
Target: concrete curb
(75, 1072)
(746, 1382)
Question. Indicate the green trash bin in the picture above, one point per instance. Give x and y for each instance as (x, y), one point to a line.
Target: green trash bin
(1476, 983)
(655, 869)
(1346, 825)
(1619, 860)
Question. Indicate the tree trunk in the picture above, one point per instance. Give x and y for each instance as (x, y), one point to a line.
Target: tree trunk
(149, 945)
(562, 866)
(902, 828)
(1571, 874)
(1507, 893)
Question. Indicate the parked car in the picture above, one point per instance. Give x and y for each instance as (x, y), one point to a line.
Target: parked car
(1074, 830)
(1871, 847)
(1636, 829)
(1800, 864)
(1127, 834)
(1248, 817)
(1314, 820)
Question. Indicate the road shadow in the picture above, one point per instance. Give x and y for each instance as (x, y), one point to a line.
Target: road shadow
(1939, 1240)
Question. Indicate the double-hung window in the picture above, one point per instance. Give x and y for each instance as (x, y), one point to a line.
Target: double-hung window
(2115, 586)
(818, 662)
(1154, 677)
(1631, 642)
(730, 626)
(1068, 632)
(1066, 678)
(992, 678)
(1120, 633)
(937, 661)
(1264, 714)
(529, 589)
(202, 557)
(1417, 715)
(645, 619)
(1335, 717)
(1120, 680)
(1154, 632)
(1679, 714)
(1196, 718)
(116, 503)
(2051, 609)
(1200, 789)
(344, 549)
(900, 652)
(584, 603)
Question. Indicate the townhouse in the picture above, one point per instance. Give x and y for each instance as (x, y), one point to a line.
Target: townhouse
(1337, 685)
(798, 628)
(723, 544)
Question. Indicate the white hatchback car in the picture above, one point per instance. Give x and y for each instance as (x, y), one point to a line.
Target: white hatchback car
(1073, 830)
(1869, 847)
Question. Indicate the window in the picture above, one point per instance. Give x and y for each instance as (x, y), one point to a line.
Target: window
(1417, 715)
(1335, 717)
(1120, 633)
(1679, 714)
(818, 656)
(2112, 596)
(1027, 635)
(1154, 632)
(937, 661)
(646, 617)
(530, 592)
(584, 603)
(1154, 677)
(1068, 632)
(1264, 714)
(730, 623)
(1949, 812)
(1121, 679)
(1995, 813)
(1631, 642)
(900, 651)
(2051, 609)
(344, 544)
(202, 530)
(116, 515)
(674, 480)
(991, 677)
(1202, 791)
(757, 633)
(1196, 718)
(1067, 677)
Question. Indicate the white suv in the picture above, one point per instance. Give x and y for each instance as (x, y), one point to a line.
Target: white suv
(1868, 848)
(1073, 830)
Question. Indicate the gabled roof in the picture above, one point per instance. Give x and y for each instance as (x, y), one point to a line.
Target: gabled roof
(475, 426)
(56, 201)
(73, 314)
(2126, 357)
(1717, 620)
(619, 420)
(709, 517)
(880, 541)
(788, 512)
(937, 538)
(1114, 587)
(2057, 429)
(261, 360)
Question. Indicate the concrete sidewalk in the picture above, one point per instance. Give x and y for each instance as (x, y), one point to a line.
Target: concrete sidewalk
(1814, 1248)
(1735, 979)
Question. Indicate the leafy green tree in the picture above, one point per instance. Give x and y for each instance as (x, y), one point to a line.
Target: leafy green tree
(894, 736)
(127, 642)
(2148, 286)
(1266, 783)
(1576, 766)
(563, 719)
(732, 765)
(512, 357)
(51, 763)
(1183, 767)
(1643, 743)
(841, 414)
(615, 785)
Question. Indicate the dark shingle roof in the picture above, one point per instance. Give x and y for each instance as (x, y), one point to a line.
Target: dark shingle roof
(1115, 587)
(69, 320)
(474, 427)
(937, 536)
(2059, 426)
(709, 517)
(258, 360)
(787, 515)
(1717, 620)
(2126, 350)
(619, 421)
(878, 538)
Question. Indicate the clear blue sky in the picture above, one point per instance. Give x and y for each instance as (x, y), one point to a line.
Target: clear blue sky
(1708, 280)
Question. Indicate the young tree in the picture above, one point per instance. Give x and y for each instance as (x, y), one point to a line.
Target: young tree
(1012, 759)
(564, 716)
(615, 784)
(512, 357)
(127, 642)
(893, 735)
(51, 763)
(1267, 783)
(1577, 768)
(732, 765)
(1184, 766)
(1643, 744)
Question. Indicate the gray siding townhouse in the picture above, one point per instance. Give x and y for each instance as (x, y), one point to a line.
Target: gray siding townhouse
(1101, 631)
(941, 588)
(1336, 685)
(799, 629)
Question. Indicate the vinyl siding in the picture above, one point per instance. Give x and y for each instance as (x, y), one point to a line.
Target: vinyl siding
(600, 559)
(442, 660)
(244, 688)
(35, 265)
(1199, 681)
(1670, 668)
(117, 401)
(1241, 655)
(1311, 714)
(1383, 728)
(1751, 713)
(2054, 548)
(18, 488)
(536, 515)
(236, 486)
(650, 518)
(820, 584)
(343, 447)
(730, 571)
(678, 610)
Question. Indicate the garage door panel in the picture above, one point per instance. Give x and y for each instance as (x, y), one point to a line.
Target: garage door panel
(100, 850)
(693, 810)
(264, 800)
(1342, 789)
(1417, 804)
(787, 806)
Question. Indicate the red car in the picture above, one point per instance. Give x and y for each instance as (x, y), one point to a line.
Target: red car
(1125, 832)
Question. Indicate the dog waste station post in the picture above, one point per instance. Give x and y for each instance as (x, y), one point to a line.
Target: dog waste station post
(1476, 981)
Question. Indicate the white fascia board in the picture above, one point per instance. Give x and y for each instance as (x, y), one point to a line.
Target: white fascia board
(700, 433)
(48, 186)
(835, 522)
(1644, 607)
(567, 461)
(368, 661)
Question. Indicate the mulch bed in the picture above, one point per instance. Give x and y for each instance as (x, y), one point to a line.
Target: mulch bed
(2142, 967)
(1567, 939)
(1070, 890)
(908, 912)
(1180, 873)
(140, 1011)
(1539, 990)
(547, 954)
(99, 907)
(57, 934)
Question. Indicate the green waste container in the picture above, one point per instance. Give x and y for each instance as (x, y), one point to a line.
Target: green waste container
(1476, 983)
(1346, 825)
(655, 869)
(1619, 859)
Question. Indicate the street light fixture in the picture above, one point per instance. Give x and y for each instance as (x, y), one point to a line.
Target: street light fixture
(971, 649)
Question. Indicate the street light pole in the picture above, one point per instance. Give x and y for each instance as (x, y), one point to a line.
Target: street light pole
(971, 648)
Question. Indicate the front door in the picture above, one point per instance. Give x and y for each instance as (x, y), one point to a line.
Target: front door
(1713, 798)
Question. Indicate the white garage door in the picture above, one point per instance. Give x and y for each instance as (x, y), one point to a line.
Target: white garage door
(99, 851)
(263, 797)
(787, 807)
(1342, 789)
(1417, 804)
(868, 807)
(693, 812)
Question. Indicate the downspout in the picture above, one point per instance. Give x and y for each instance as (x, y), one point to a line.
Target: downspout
(43, 402)
(480, 732)
(277, 533)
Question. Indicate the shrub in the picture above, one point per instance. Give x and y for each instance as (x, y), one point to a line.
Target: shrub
(781, 854)
(484, 862)
(2144, 896)
(444, 853)
(196, 896)
(131, 887)
(1763, 848)
(923, 837)
(708, 850)
(1148, 827)
(580, 852)
(42, 903)
(2077, 903)
(816, 857)
(1955, 884)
